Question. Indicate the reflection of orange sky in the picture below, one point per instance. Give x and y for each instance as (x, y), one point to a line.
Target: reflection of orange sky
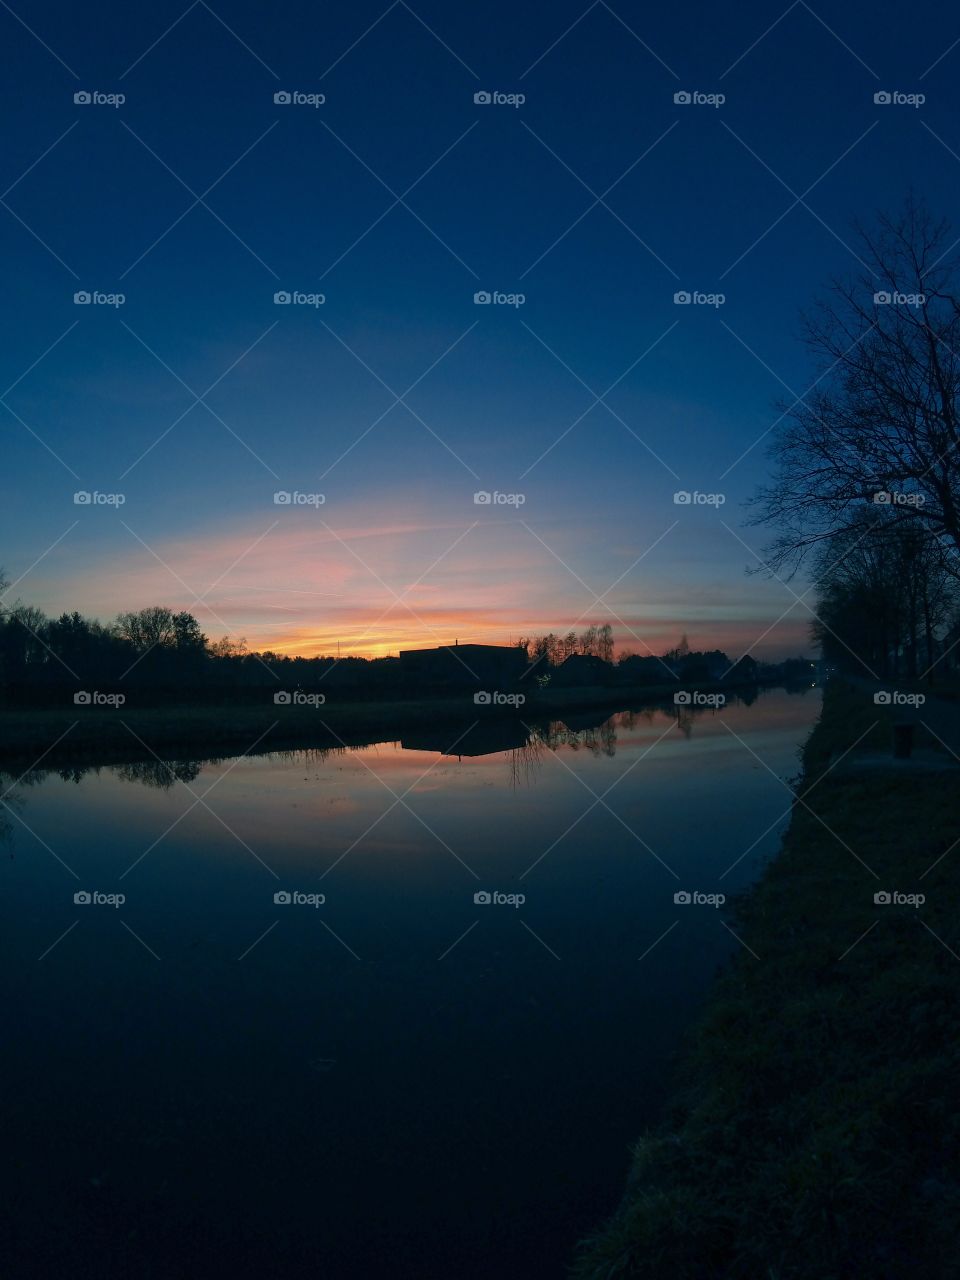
(369, 583)
(292, 807)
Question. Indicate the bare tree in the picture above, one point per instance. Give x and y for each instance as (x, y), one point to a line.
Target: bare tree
(147, 627)
(881, 422)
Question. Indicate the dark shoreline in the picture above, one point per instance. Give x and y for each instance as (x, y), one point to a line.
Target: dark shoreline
(109, 735)
(810, 1131)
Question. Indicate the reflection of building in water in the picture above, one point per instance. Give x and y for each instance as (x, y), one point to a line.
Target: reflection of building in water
(482, 739)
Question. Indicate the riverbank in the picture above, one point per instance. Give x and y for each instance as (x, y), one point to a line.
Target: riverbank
(813, 1133)
(113, 734)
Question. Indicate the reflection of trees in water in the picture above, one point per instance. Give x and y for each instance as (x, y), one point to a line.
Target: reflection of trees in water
(630, 719)
(685, 719)
(159, 774)
(598, 739)
(6, 826)
(601, 739)
(162, 774)
(11, 803)
(526, 760)
(306, 757)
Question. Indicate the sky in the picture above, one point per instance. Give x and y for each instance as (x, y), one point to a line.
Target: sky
(383, 398)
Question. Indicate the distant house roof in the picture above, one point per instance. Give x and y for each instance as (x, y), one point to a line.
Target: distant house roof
(581, 667)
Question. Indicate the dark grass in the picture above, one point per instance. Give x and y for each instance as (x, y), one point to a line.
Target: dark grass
(814, 1130)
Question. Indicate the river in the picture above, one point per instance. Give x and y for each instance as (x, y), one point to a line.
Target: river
(396, 1011)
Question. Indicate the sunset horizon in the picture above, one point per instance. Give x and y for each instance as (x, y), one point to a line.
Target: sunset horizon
(480, 640)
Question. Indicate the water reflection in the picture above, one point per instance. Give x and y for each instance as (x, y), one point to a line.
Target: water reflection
(597, 732)
(409, 1044)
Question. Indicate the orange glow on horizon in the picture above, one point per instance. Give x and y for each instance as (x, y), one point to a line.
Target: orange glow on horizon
(378, 584)
(648, 638)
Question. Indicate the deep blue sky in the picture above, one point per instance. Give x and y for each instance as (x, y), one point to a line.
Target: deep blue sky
(311, 183)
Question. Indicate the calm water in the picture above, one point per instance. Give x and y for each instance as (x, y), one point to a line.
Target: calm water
(401, 1081)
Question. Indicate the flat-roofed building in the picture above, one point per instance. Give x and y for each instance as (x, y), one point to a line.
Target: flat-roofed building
(483, 666)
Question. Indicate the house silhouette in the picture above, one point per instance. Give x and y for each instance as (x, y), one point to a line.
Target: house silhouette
(479, 666)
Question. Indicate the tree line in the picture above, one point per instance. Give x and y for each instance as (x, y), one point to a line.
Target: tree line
(163, 653)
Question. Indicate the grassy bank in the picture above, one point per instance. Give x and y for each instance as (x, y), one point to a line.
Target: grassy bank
(108, 733)
(814, 1130)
